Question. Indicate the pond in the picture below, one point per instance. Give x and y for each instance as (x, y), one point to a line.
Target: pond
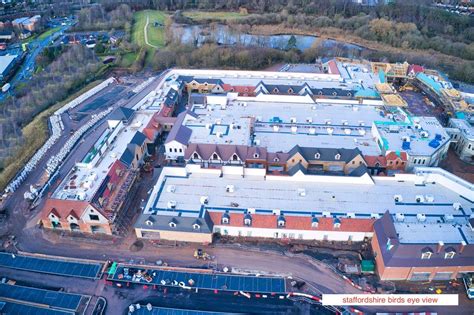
(224, 35)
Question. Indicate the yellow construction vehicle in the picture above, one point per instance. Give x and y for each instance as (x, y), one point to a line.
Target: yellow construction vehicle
(200, 254)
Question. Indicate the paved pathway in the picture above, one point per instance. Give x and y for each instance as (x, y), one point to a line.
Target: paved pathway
(145, 31)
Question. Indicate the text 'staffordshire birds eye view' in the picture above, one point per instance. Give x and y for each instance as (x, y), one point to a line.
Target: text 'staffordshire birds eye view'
(237, 157)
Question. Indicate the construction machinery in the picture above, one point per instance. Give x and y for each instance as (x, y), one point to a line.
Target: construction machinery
(200, 254)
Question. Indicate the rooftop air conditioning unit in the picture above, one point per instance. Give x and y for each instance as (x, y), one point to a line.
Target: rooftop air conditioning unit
(424, 134)
(400, 217)
(457, 205)
(171, 188)
(347, 131)
(417, 126)
(293, 120)
(172, 204)
(345, 123)
(362, 132)
(420, 198)
(204, 200)
(328, 122)
(421, 217)
(448, 218)
(219, 134)
(330, 131)
(276, 128)
(208, 126)
(230, 188)
(398, 198)
(294, 129)
(312, 131)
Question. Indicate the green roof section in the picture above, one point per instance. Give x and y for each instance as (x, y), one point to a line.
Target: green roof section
(367, 93)
(367, 266)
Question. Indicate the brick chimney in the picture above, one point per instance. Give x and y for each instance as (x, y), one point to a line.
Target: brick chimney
(439, 247)
(461, 247)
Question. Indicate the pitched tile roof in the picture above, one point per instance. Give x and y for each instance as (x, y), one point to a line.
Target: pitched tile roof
(63, 208)
(180, 132)
(122, 113)
(269, 221)
(325, 154)
(372, 160)
(138, 139)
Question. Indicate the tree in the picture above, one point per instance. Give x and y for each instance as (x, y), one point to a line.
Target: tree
(291, 43)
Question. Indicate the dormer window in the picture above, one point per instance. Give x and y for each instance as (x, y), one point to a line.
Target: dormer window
(337, 223)
(235, 157)
(426, 253)
(389, 244)
(256, 156)
(337, 157)
(195, 156)
(225, 220)
(317, 156)
(275, 90)
(215, 156)
(290, 91)
(450, 252)
(276, 160)
(173, 223)
(281, 221)
(149, 221)
(314, 222)
(196, 226)
(248, 220)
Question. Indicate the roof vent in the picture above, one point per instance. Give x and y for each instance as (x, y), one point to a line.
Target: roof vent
(171, 188)
(421, 217)
(204, 200)
(457, 206)
(330, 131)
(276, 128)
(251, 210)
(293, 120)
(374, 215)
(398, 198)
(276, 211)
(172, 204)
(400, 217)
(351, 215)
(420, 198)
(326, 214)
(309, 120)
(301, 192)
(294, 129)
(424, 134)
(312, 131)
(230, 188)
(347, 131)
(362, 132)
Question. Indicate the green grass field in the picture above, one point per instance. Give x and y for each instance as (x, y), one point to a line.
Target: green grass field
(156, 34)
(48, 32)
(220, 15)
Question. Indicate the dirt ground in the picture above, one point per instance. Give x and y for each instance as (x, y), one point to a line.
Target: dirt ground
(453, 164)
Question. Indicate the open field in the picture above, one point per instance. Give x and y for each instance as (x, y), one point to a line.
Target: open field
(48, 32)
(219, 15)
(35, 134)
(156, 34)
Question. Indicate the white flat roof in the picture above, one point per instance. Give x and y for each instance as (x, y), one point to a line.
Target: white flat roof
(86, 180)
(5, 61)
(464, 127)
(419, 143)
(324, 196)
(327, 195)
(350, 124)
